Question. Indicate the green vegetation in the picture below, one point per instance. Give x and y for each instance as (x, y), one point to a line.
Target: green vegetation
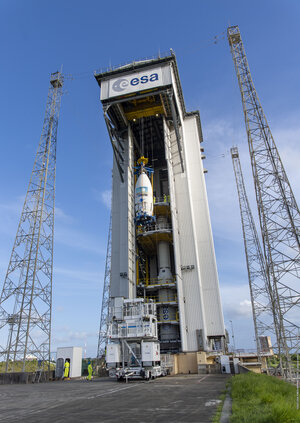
(30, 366)
(274, 361)
(262, 399)
(216, 418)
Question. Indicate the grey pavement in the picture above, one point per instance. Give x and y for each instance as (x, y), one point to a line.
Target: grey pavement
(226, 410)
(176, 399)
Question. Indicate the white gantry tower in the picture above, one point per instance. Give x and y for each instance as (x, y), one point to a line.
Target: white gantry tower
(162, 245)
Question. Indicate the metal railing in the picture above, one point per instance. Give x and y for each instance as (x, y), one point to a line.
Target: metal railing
(156, 281)
(164, 199)
(157, 227)
(132, 330)
(139, 309)
(132, 63)
(156, 299)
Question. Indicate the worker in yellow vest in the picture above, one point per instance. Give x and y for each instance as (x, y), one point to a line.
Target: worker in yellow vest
(66, 369)
(90, 371)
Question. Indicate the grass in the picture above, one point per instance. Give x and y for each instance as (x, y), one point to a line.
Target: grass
(274, 361)
(216, 417)
(30, 366)
(262, 399)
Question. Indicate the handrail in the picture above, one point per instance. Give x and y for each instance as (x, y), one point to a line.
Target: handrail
(168, 321)
(156, 300)
(135, 62)
(164, 199)
(154, 228)
(156, 281)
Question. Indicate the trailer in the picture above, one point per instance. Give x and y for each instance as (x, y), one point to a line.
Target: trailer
(133, 350)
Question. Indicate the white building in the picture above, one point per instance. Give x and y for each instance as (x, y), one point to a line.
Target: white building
(74, 356)
(169, 258)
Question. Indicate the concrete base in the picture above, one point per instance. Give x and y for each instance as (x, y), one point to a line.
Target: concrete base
(23, 377)
(180, 399)
(227, 409)
(243, 369)
(190, 363)
(207, 369)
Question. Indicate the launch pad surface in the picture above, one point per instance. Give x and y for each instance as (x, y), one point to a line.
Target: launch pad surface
(184, 398)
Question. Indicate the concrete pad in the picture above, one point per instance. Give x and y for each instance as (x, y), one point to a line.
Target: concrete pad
(226, 410)
(180, 399)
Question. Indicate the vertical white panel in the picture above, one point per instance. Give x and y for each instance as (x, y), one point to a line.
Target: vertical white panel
(203, 233)
(123, 234)
(115, 241)
(173, 166)
(131, 225)
(200, 286)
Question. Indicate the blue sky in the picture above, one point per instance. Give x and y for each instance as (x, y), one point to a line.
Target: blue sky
(37, 37)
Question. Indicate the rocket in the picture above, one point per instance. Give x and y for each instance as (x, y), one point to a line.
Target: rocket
(143, 196)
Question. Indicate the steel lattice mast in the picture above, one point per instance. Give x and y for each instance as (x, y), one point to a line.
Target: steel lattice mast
(102, 341)
(25, 302)
(278, 211)
(264, 308)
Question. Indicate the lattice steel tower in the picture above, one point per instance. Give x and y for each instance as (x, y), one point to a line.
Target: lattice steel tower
(277, 208)
(264, 307)
(102, 341)
(25, 302)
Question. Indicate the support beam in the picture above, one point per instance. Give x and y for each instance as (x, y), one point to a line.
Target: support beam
(175, 123)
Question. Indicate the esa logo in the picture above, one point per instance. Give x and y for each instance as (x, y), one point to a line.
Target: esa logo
(122, 83)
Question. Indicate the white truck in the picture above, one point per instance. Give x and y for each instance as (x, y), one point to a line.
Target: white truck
(133, 350)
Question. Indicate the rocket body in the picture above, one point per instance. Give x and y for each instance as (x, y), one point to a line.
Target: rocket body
(143, 196)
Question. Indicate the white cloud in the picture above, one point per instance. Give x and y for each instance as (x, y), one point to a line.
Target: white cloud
(79, 275)
(245, 308)
(62, 216)
(106, 198)
(59, 309)
(75, 238)
(10, 213)
(103, 197)
(236, 301)
(65, 336)
(219, 136)
(222, 194)
(64, 233)
(287, 140)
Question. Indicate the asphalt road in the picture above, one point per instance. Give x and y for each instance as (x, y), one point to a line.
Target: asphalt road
(176, 399)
